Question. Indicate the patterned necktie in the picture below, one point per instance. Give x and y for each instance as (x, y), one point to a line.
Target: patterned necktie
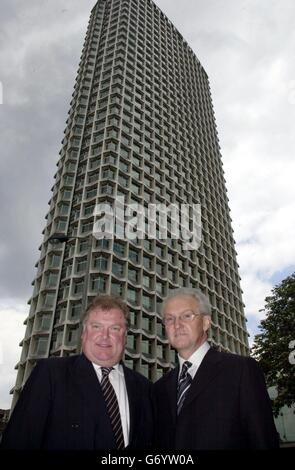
(112, 406)
(184, 384)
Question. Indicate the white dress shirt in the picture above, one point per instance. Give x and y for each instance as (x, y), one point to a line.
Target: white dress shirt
(196, 359)
(117, 380)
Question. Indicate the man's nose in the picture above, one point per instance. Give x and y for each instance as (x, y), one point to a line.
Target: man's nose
(105, 333)
(177, 322)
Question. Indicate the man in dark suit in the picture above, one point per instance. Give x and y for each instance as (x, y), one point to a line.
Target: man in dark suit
(89, 401)
(211, 400)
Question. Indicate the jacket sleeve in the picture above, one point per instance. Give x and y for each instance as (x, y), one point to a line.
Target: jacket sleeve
(256, 411)
(27, 424)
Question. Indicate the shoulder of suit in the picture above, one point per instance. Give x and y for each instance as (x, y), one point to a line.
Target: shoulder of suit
(232, 358)
(57, 362)
(165, 378)
(136, 375)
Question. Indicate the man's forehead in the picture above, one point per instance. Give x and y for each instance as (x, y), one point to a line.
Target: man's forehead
(106, 313)
(181, 302)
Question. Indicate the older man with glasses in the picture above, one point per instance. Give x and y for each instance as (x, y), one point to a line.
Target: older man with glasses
(212, 399)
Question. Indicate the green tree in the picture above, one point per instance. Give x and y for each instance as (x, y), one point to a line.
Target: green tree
(273, 346)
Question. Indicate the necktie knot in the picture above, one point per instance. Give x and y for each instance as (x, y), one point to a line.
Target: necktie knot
(185, 367)
(106, 370)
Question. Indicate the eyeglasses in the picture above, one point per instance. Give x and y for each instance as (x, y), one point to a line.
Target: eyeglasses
(113, 329)
(184, 317)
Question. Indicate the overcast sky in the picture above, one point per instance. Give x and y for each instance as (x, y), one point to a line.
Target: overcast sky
(247, 48)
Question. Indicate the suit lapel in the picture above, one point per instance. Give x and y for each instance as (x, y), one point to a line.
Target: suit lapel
(171, 392)
(85, 392)
(134, 401)
(85, 380)
(85, 388)
(205, 374)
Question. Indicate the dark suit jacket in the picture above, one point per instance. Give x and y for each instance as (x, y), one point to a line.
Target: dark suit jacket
(226, 407)
(62, 407)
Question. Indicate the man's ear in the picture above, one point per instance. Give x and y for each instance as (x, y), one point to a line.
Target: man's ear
(206, 322)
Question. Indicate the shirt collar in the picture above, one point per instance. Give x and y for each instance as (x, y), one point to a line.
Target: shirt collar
(118, 369)
(196, 358)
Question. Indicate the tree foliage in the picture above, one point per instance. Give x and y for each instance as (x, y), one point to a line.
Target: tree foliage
(273, 346)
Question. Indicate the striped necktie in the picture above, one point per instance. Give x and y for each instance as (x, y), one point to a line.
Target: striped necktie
(112, 407)
(184, 384)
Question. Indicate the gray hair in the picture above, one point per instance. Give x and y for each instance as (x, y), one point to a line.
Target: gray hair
(197, 294)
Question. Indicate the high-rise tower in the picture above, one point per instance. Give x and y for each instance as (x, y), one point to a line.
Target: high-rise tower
(141, 125)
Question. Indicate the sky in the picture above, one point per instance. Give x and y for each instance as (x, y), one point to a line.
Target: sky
(247, 49)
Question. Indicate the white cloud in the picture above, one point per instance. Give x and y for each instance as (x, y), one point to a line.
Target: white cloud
(32, 46)
(12, 332)
(255, 291)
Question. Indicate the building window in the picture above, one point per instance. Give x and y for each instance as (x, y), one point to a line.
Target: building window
(110, 158)
(146, 324)
(171, 275)
(117, 268)
(91, 193)
(123, 181)
(117, 288)
(41, 346)
(146, 369)
(133, 275)
(147, 244)
(146, 281)
(160, 351)
(133, 255)
(147, 262)
(102, 244)
(88, 210)
(160, 289)
(61, 226)
(49, 300)
(108, 173)
(51, 280)
(131, 342)
(119, 249)
(160, 269)
(81, 265)
(98, 284)
(132, 295)
(87, 227)
(75, 312)
(147, 302)
(78, 287)
(160, 251)
(107, 188)
(101, 262)
(45, 322)
(160, 329)
(146, 346)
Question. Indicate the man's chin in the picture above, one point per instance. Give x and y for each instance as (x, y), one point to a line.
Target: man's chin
(105, 361)
(179, 343)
